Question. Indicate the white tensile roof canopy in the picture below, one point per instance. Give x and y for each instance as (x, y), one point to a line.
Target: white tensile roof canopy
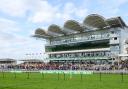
(55, 30)
(95, 21)
(40, 33)
(114, 22)
(91, 22)
(73, 26)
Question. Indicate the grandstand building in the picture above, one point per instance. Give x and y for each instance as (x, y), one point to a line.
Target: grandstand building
(7, 61)
(97, 40)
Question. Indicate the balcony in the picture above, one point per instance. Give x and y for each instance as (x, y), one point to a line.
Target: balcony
(76, 40)
(81, 58)
(90, 54)
(80, 51)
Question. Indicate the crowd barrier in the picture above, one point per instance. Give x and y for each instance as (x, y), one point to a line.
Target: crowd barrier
(69, 71)
(57, 71)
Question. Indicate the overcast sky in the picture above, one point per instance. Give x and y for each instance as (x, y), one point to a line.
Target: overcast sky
(20, 18)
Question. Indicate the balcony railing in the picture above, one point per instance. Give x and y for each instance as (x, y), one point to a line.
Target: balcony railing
(75, 40)
(81, 58)
(80, 51)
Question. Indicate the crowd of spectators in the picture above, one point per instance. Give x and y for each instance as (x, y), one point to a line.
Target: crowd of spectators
(122, 65)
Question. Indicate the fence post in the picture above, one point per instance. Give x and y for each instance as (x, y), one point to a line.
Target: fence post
(28, 75)
(58, 75)
(14, 74)
(81, 76)
(122, 77)
(42, 75)
(100, 76)
(71, 74)
(3, 73)
(64, 76)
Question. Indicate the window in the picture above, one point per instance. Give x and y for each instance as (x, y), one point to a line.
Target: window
(115, 38)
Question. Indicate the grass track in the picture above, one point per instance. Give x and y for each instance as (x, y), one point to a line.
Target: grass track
(52, 81)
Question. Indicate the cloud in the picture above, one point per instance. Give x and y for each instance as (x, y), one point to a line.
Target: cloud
(9, 32)
(18, 46)
(7, 25)
(44, 12)
(114, 3)
(41, 11)
(110, 7)
(13, 44)
(14, 7)
(8, 29)
(72, 11)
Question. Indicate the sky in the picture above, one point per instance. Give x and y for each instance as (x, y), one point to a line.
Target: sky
(20, 18)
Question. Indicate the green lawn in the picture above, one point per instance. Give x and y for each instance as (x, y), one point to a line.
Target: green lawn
(52, 81)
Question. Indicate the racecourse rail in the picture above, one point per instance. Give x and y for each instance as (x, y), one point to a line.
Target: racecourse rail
(68, 71)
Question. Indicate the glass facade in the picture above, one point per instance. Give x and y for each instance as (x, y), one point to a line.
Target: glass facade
(78, 46)
(83, 41)
(91, 36)
(81, 55)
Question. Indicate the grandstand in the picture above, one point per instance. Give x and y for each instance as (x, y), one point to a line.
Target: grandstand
(97, 40)
(7, 61)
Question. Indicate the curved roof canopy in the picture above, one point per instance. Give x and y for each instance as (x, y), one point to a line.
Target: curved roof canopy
(95, 21)
(40, 33)
(55, 30)
(115, 22)
(73, 25)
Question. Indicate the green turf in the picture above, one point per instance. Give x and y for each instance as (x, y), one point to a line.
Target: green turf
(52, 81)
